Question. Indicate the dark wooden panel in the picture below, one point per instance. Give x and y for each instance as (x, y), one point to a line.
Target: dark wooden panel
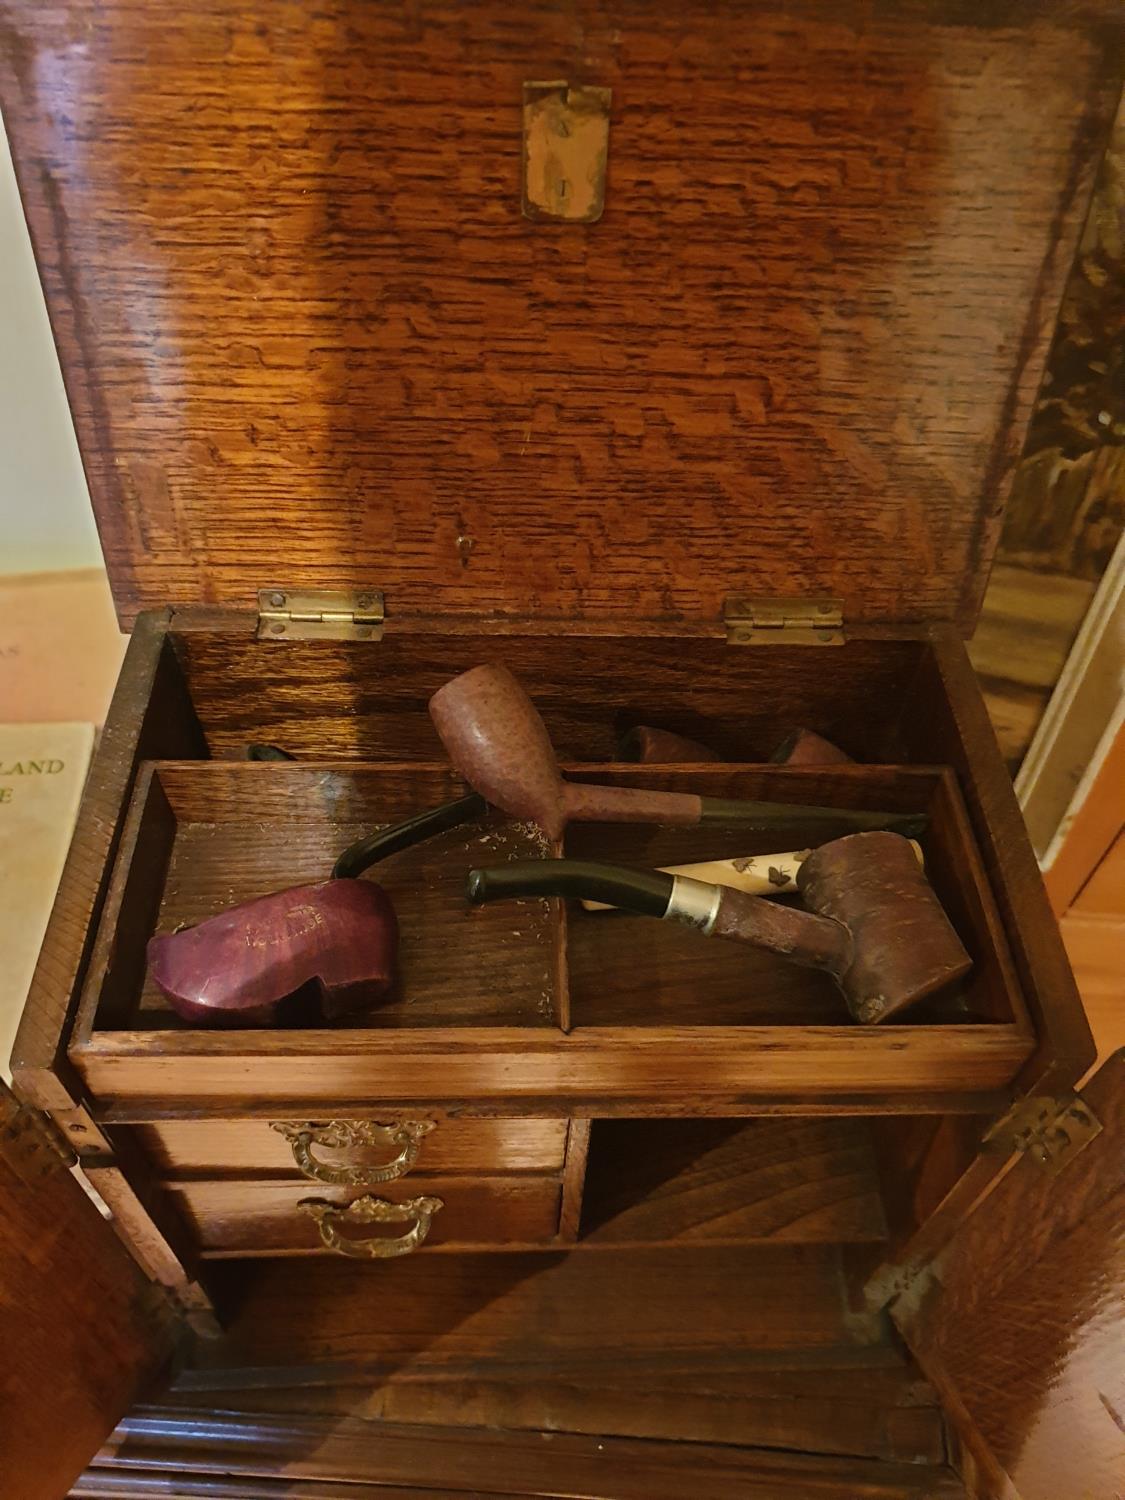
(645, 1310)
(357, 701)
(308, 334)
(516, 1464)
(716, 1181)
(81, 1328)
(889, 1412)
(1019, 1321)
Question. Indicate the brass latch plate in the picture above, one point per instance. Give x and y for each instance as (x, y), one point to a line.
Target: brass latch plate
(320, 615)
(754, 621)
(1051, 1131)
(565, 148)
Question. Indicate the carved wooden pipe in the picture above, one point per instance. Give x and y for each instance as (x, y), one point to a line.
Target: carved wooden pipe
(500, 745)
(801, 747)
(804, 748)
(873, 922)
(646, 745)
(239, 968)
(756, 874)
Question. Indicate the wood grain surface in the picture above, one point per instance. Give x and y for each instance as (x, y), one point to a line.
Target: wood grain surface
(239, 1216)
(82, 1330)
(649, 1310)
(308, 336)
(231, 1448)
(208, 1148)
(890, 1413)
(1019, 1321)
(724, 1181)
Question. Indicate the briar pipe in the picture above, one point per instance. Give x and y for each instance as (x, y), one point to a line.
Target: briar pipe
(498, 742)
(310, 952)
(873, 922)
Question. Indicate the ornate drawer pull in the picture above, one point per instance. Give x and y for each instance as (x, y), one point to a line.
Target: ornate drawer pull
(342, 1135)
(373, 1211)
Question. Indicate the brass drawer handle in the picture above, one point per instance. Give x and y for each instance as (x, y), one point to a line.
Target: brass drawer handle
(373, 1211)
(342, 1135)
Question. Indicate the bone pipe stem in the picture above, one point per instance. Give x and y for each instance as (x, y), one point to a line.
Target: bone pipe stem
(756, 874)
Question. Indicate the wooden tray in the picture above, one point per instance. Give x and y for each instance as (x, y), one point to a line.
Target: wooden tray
(523, 1006)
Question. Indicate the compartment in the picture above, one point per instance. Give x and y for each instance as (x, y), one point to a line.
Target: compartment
(252, 1147)
(248, 1217)
(201, 838)
(729, 1182)
(627, 970)
(522, 1008)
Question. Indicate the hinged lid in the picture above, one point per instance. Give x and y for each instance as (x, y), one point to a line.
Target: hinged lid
(309, 334)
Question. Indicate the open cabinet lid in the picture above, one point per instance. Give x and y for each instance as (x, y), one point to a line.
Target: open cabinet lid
(311, 339)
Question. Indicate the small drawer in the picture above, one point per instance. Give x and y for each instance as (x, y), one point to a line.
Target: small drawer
(244, 1218)
(350, 1152)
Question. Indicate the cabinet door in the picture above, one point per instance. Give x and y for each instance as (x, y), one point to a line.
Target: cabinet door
(81, 1328)
(1020, 1321)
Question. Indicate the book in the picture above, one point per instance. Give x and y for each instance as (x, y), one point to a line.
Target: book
(42, 772)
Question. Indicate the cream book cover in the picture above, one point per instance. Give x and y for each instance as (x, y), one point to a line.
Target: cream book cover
(42, 771)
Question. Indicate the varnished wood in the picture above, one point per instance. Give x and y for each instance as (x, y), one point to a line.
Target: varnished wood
(211, 1147)
(648, 1310)
(200, 836)
(356, 701)
(217, 849)
(574, 1178)
(460, 1460)
(81, 1328)
(947, 715)
(339, 355)
(1018, 1323)
(151, 714)
(718, 1181)
(889, 1412)
(239, 1216)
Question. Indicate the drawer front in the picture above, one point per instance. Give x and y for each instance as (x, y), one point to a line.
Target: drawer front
(374, 1151)
(239, 1217)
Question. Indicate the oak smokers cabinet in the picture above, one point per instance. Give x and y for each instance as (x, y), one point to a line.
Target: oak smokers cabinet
(726, 460)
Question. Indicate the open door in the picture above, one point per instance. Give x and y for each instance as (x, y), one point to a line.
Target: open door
(82, 1330)
(1020, 1321)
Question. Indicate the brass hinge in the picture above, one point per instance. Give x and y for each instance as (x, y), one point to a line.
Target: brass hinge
(1051, 1131)
(757, 621)
(320, 615)
(30, 1143)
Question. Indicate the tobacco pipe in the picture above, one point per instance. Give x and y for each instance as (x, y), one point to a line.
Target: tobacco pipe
(873, 921)
(801, 747)
(365, 852)
(645, 745)
(804, 748)
(335, 942)
(756, 874)
(498, 742)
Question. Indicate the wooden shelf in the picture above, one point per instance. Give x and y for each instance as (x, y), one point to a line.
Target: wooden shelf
(718, 1182)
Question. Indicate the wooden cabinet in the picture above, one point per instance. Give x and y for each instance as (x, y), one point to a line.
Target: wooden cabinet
(727, 461)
